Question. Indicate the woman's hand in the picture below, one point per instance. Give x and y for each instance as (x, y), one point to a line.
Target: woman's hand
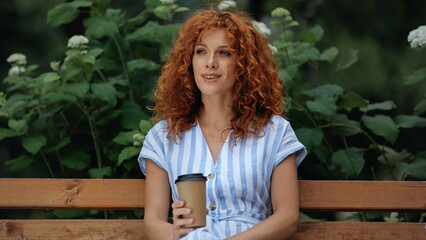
(179, 210)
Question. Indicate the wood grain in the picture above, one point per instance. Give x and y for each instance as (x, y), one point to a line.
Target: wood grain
(121, 229)
(134, 230)
(360, 230)
(362, 196)
(72, 193)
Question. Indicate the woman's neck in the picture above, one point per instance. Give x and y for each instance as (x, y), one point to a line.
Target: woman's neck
(216, 113)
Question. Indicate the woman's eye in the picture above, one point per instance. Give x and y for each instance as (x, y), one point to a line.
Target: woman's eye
(226, 53)
(200, 51)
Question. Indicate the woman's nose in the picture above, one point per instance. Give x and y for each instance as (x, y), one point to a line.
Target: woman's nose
(212, 62)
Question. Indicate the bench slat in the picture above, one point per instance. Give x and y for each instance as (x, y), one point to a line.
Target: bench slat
(119, 194)
(133, 229)
(72, 229)
(129, 194)
(359, 230)
(362, 196)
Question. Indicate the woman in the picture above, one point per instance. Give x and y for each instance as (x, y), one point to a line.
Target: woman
(219, 105)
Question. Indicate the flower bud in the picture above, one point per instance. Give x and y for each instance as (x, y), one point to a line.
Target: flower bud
(417, 37)
(54, 65)
(261, 27)
(280, 12)
(225, 5)
(77, 40)
(16, 70)
(17, 58)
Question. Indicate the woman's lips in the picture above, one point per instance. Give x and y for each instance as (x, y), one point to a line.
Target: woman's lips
(210, 77)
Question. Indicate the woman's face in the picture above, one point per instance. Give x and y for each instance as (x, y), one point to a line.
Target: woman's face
(214, 65)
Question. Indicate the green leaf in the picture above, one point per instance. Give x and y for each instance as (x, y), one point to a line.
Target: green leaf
(69, 72)
(19, 126)
(49, 77)
(62, 144)
(20, 163)
(129, 165)
(95, 52)
(142, 64)
(88, 59)
(79, 89)
(342, 126)
(420, 108)
(417, 168)
(131, 115)
(127, 153)
(352, 100)
(407, 121)
(383, 126)
(67, 213)
(6, 133)
(54, 97)
(100, 172)
(392, 157)
(416, 77)
(310, 137)
(181, 9)
(97, 27)
(307, 36)
(125, 138)
(350, 160)
(145, 126)
(324, 104)
(34, 144)
(105, 92)
(329, 54)
(65, 13)
(77, 160)
(386, 105)
(318, 32)
(162, 12)
(327, 89)
(347, 59)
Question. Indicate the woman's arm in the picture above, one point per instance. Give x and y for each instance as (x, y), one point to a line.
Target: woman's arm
(157, 205)
(285, 203)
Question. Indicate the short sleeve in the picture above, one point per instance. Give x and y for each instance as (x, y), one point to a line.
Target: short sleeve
(153, 147)
(289, 144)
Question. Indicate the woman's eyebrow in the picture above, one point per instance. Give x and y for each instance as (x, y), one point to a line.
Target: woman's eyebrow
(204, 45)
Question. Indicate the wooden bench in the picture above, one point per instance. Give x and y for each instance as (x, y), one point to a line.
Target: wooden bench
(129, 194)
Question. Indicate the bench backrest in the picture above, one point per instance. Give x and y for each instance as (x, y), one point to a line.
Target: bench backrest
(129, 194)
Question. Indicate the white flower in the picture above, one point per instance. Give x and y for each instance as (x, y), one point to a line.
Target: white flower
(273, 48)
(261, 27)
(16, 70)
(167, 1)
(138, 139)
(18, 58)
(77, 40)
(417, 37)
(225, 5)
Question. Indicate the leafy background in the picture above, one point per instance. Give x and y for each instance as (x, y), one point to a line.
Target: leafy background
(346, 67)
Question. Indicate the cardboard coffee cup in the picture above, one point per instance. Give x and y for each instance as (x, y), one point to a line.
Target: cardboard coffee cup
(192, 190)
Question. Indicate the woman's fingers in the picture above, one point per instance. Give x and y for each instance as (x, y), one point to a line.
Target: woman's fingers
(178, 204)
(179, 222)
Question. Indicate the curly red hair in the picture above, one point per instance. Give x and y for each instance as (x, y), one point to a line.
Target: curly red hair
(257, 91)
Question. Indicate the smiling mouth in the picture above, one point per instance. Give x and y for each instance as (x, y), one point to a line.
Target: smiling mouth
(211, 77)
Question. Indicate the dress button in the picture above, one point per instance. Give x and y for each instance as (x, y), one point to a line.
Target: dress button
(211, 175)
(212, 206)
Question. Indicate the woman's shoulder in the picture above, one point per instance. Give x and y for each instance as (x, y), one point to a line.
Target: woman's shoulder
(277, 120)
(159, 128)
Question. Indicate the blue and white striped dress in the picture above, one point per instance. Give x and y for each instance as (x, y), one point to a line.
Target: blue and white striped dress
(238, 185)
